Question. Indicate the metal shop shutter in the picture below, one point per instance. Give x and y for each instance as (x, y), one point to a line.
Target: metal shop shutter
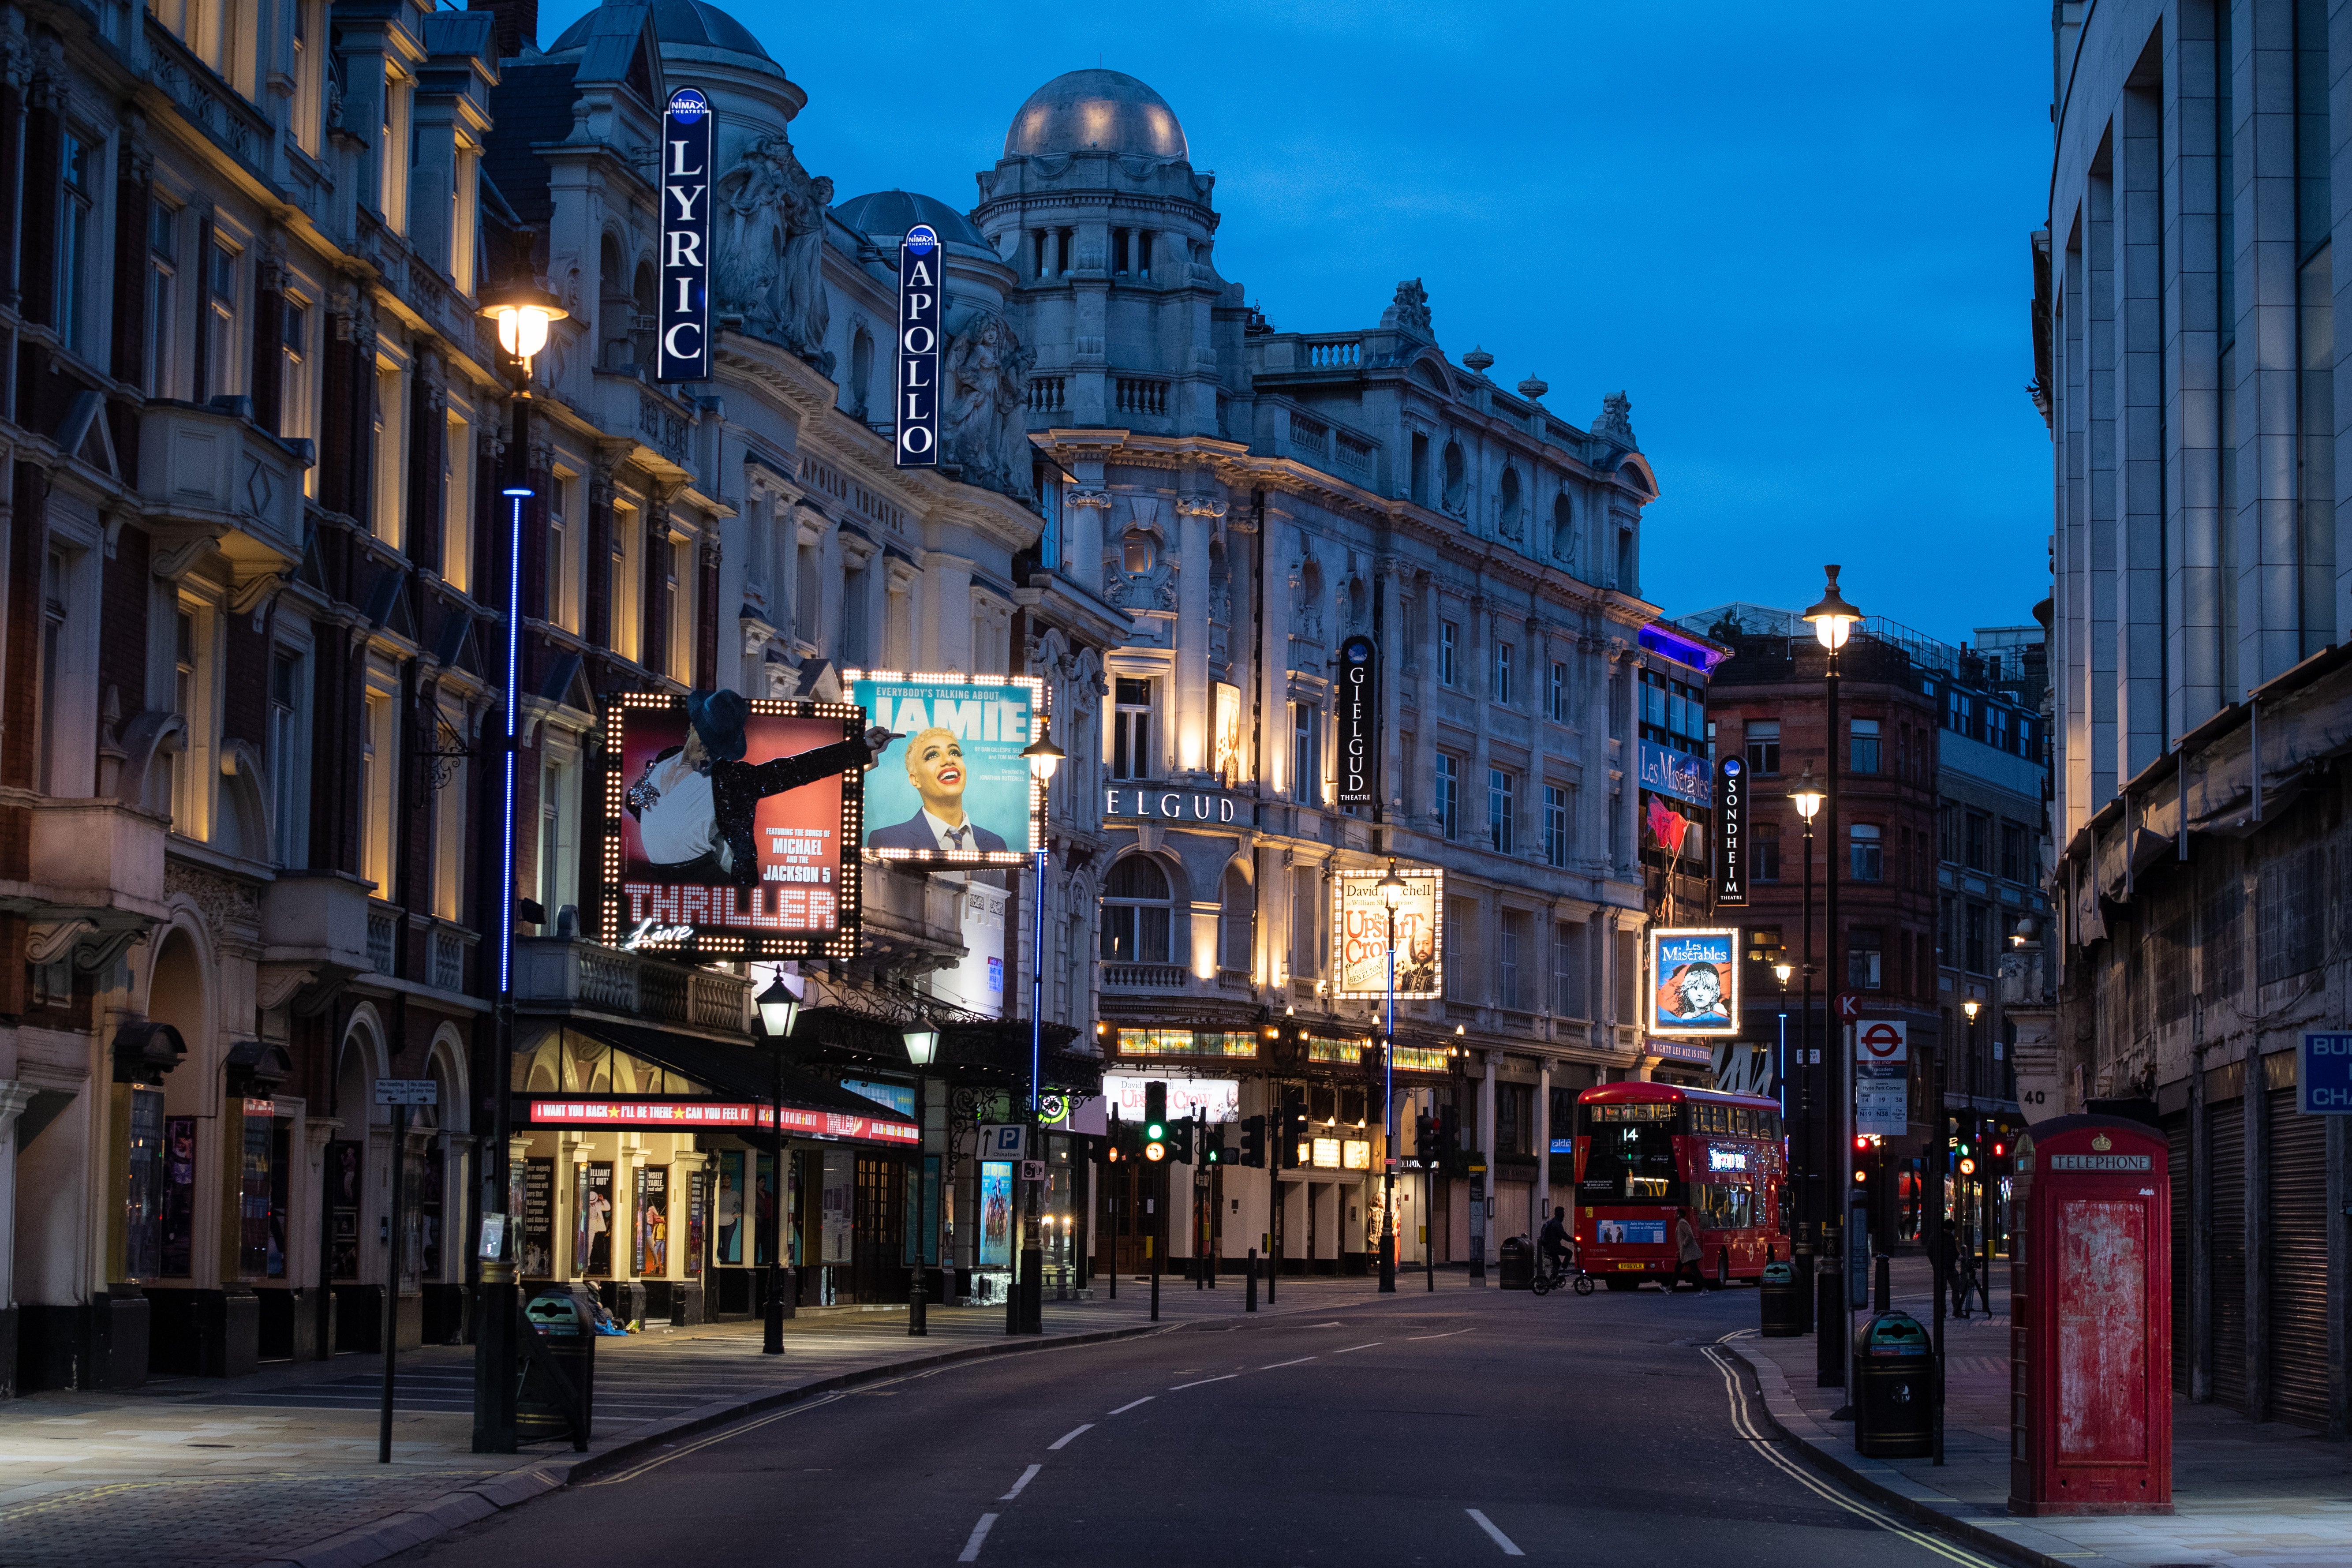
(2176, 1133)
(2298, 1263)
(2226, 1125)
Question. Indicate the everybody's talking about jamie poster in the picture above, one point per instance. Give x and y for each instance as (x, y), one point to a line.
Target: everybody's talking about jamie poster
(954, 787)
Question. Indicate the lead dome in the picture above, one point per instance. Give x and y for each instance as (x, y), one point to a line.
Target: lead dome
(1095, 111)
(688, 22)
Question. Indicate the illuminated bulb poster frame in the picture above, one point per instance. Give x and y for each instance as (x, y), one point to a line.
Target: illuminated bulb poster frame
(704, 943)
(893, 761)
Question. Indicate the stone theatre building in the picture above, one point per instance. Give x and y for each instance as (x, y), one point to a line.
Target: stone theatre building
(1249, 497)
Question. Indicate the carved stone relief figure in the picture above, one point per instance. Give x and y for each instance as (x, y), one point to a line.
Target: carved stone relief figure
(770, 262)
(986, 386)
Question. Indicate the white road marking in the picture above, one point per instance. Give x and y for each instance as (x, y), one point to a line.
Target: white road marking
(971, 1552)
(1272, 1364)
(1447, 1335)
(1133, 1403)
(1765, 1445)
(1361, 1347)
(1197, 1384)
(1505, 1541)
(1058, 1444)
(1026, 1477)
(635, 1471)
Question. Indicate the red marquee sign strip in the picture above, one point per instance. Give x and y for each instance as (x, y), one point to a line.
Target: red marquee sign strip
(695, 1115)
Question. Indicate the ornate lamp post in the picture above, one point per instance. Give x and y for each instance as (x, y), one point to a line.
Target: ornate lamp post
(1028, 1304)
(523, 312)
(1833, 620)
(922, 1037)
(779, 1011)
(1392, 890)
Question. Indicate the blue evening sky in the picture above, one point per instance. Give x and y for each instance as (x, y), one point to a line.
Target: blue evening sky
(1795, 234)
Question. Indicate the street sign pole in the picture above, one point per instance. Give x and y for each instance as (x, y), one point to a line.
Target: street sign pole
(399, 1093)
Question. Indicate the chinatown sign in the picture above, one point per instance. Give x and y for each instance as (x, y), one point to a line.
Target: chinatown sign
(1154, 804)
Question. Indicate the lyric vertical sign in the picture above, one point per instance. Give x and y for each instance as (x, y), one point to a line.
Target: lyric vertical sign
(920, 309)
(1360, 723)
(1730, 823)
(684, 317)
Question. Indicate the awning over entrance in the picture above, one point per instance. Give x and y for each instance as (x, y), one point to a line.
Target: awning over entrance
(588, 1072)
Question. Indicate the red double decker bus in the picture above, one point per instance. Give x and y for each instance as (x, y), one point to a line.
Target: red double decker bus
(1649, 1153)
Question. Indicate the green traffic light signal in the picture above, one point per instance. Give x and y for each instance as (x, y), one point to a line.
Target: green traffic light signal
(1155, 1112)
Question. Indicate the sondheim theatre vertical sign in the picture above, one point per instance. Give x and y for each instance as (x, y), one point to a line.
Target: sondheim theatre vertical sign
(684, 353)
(1360, 723)
(919, 296)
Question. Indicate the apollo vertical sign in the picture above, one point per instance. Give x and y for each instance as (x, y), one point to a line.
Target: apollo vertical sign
(1359, 714)
(920, 309)
(684, 319)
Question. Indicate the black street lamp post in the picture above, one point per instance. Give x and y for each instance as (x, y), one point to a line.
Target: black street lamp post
(779, 1011)
(1393, 890)
(523, 312)
(1834, 621)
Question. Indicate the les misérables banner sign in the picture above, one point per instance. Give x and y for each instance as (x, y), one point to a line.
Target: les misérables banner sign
(732, 826)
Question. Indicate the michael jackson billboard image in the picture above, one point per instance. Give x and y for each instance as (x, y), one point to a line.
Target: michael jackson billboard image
(730, 825)
(951, 786)
(1694, 983)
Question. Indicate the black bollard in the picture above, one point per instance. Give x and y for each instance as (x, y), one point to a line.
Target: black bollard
(1883, 1290)
(1251, 1304)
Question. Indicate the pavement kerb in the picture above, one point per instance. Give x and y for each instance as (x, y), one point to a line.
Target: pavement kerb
(393, 1534)
(1879, 1481)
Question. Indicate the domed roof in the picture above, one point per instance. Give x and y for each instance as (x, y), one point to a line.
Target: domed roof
(889, 215)
(693, 22)
(1095, 111)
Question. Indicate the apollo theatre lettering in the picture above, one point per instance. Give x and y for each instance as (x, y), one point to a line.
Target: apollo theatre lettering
(920, 296)
(684, 351)
(1170, 805)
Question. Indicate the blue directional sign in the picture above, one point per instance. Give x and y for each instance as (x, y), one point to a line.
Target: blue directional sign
(2325, 1074)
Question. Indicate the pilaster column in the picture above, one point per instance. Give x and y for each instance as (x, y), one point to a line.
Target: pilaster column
(1485, 1193)
(14, 1096)
(1543, 1141)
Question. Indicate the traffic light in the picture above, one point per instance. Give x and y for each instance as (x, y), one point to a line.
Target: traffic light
(2001, 1151)
(1253, 1142)
(1424, 1143)
(1179, 1141)
(1213, 1147)
(1291, 1136)
(1155, 1120)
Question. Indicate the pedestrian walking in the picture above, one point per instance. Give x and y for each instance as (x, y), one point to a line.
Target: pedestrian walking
(1686, 1255)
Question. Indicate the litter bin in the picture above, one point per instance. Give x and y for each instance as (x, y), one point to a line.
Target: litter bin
(1518, 1264)
(563, 1352)
(1783, 1304)
(1895, 1404)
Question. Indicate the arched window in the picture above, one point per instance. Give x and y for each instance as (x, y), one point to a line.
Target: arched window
(1138, 552)
(1234, 921)
(1507, 504)
(1135, 913)
(1563, 528)
(614, 306)
(1457, 478)
(647, 293)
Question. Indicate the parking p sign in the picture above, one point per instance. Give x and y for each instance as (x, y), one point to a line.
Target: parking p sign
(2325, 1076)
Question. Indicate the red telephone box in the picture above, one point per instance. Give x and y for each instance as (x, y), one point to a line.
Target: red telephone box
(2091, 1320)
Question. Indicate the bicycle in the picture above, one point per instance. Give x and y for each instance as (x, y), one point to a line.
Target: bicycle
(1565, 1272)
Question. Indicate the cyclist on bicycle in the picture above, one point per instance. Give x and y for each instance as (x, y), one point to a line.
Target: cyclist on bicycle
(1554, 1243)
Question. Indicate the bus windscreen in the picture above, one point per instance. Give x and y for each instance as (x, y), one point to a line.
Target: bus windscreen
(1630, 1153)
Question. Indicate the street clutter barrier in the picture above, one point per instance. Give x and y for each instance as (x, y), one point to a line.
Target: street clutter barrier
(2091, 1315)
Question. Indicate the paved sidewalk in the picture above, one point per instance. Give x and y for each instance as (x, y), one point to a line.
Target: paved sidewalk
(280, 1467)
(2245, 1496)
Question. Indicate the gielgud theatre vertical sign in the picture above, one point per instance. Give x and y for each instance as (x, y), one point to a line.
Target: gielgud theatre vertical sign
(732, 826)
